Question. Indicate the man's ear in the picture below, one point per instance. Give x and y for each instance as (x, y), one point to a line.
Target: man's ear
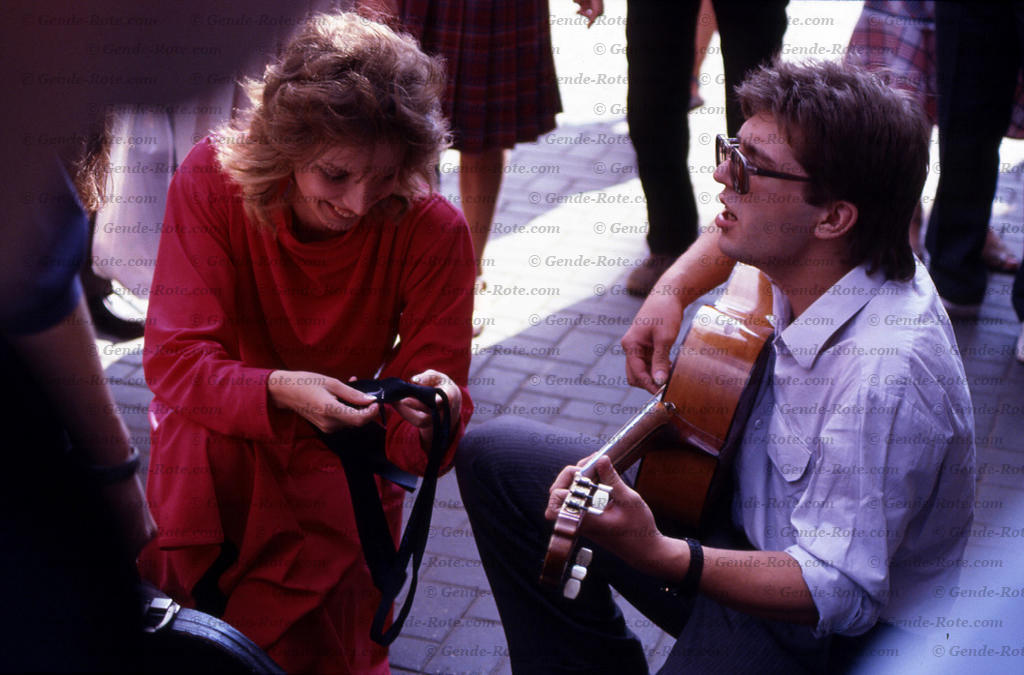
(837, 221)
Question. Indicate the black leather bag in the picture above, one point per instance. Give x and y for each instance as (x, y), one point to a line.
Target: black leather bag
(181, 640)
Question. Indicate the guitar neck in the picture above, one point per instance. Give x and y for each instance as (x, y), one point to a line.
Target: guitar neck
(622, 448)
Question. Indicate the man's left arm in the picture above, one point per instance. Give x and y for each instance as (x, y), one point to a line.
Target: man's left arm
(768, 584)
(882, 474)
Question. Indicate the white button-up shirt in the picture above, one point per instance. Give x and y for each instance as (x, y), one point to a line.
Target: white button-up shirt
(858, 459)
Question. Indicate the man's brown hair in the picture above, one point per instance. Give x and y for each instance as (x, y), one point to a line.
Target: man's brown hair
(859, 141)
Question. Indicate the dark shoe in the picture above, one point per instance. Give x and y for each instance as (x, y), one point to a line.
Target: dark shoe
(643, 277)
(695, 98)
(997, 255)
(106, 321)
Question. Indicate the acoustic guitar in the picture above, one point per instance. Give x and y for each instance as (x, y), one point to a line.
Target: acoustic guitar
(684, 434)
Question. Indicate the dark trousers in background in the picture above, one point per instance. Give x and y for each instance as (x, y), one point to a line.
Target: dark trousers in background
(979, 49)
(504, 469)
(659, 49)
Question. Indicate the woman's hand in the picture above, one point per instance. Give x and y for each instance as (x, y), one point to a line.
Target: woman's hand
(417, 414)
(316, 398)
(591, 9)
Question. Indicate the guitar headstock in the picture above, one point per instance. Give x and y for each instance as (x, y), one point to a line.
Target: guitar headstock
(586, 495)
(561, 568)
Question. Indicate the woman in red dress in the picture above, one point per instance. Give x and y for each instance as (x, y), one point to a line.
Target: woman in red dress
(302, 247)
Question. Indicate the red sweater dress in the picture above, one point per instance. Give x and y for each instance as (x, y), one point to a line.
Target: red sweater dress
(233, 301)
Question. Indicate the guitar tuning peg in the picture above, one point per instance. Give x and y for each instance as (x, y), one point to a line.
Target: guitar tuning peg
(577, 574)
(584, 556)
(600, 499)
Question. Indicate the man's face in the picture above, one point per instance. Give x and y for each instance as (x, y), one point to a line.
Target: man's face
(772, 226)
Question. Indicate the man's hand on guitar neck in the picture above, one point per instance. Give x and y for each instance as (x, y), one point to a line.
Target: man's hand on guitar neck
(656, 326)
(626, 528)
(768, 584)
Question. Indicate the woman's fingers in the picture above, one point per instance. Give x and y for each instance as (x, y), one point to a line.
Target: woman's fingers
(413, 412)
(347, 393)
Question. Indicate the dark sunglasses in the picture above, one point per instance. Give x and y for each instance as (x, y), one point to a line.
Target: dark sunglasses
(740, 170)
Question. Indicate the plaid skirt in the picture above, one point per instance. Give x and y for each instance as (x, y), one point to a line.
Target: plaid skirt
(501, 73)
(900, 37)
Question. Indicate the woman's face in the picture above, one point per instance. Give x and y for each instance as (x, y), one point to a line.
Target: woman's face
(339, 186)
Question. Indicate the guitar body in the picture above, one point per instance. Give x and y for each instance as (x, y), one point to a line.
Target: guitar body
(682, 474)
(682, 432)
(676, 479)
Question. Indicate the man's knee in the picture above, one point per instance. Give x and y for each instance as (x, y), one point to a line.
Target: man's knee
(515, 457)
(487, 445)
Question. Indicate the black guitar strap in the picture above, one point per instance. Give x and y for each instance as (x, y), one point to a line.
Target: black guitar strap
(361, 450)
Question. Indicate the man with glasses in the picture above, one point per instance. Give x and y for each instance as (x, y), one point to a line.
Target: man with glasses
(853, 478)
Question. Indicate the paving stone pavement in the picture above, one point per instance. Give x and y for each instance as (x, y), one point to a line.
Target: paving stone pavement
(569, 225)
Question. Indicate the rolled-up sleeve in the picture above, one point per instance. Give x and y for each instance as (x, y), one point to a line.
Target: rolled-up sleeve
(876, 473)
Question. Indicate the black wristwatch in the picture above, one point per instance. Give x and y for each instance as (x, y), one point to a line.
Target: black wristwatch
(690, 583)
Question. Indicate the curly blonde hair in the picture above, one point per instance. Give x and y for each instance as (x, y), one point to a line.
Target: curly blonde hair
(342, 80)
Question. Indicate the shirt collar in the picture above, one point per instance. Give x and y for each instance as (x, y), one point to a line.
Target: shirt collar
(806, 336)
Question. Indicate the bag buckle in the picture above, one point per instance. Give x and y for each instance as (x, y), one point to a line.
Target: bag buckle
(158, 613)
